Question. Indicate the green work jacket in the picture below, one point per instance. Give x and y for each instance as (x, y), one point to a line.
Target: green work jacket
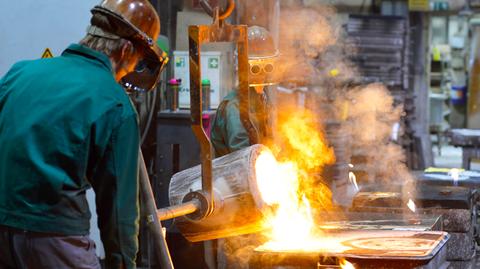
(228, 133)
(66, 125)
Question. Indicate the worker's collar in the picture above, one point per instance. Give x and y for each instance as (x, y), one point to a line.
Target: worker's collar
(79, 50)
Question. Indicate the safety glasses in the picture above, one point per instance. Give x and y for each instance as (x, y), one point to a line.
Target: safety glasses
(257, 68)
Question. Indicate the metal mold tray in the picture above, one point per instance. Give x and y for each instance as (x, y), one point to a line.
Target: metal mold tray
(365, 249)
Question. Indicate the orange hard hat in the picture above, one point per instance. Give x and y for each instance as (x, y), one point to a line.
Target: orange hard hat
(138, 22)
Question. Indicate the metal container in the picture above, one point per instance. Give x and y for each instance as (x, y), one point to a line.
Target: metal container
(206, 94)
(238, 205)
(366, 249)
(172, 94)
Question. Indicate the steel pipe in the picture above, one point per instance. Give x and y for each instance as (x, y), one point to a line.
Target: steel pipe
(150, 208)
(178, 210)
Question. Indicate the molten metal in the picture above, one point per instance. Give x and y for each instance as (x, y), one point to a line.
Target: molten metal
(287, 185)
(344, 264)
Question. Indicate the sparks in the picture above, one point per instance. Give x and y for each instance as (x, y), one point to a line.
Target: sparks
(455, 174)
(353, 181)
(411, 205)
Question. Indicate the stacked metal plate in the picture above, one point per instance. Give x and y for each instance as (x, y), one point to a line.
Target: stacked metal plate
(366, 249)
(457, 206)
(382, 55)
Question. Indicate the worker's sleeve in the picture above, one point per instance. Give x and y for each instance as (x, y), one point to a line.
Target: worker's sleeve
(116, 188)
(2, 87)
(237, 136)
(2, 81)
(8, 76)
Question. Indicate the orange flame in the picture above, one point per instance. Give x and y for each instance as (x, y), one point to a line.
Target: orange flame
(309, 146)
(288, 184)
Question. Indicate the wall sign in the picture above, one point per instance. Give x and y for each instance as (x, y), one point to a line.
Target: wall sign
(419, 5)
(47, 53)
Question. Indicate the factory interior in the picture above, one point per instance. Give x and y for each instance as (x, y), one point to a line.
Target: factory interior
(273, 134)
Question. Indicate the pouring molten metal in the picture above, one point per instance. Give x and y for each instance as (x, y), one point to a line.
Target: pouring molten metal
(286, 185)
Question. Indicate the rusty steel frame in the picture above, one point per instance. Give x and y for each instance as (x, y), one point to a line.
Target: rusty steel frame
(219, 31)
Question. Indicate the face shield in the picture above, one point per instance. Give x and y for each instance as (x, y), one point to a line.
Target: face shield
(146, 74)
(262, 58)
(153, 59)
(262, 71)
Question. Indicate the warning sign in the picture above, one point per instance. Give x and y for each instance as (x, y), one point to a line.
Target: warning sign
(47, 53)
(419, 5)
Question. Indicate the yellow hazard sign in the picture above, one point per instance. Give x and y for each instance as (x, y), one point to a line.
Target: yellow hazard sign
(47, 53)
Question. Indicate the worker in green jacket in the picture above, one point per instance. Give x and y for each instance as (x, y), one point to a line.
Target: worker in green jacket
(67, 125)
(228, 132)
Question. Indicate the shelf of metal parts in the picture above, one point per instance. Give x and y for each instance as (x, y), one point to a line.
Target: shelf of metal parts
(384, 55)
(365, 79)
(367, 35)
(394, 73)
(376, 31)
(377, 48)
(396, 29)
(379, 67)
(379, 57)
(362, 38)
(376, 21)
(386, 82)
(367, 48)
(369, 249)
(389, 82)
(386, 71)
(382, 76)
(353, 30)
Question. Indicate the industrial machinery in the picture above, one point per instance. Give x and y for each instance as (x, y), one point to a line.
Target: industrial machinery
(222, 197)
(437, 193)
(199, 202)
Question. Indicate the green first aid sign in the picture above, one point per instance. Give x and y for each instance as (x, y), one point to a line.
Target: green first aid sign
(213, 63)
(180, 62)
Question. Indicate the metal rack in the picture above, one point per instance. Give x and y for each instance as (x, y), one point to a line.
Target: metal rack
(383, 56)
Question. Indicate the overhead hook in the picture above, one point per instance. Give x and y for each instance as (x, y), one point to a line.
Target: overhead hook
(210, 11)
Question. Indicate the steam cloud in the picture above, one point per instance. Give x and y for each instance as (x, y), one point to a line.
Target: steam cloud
(314, 51)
